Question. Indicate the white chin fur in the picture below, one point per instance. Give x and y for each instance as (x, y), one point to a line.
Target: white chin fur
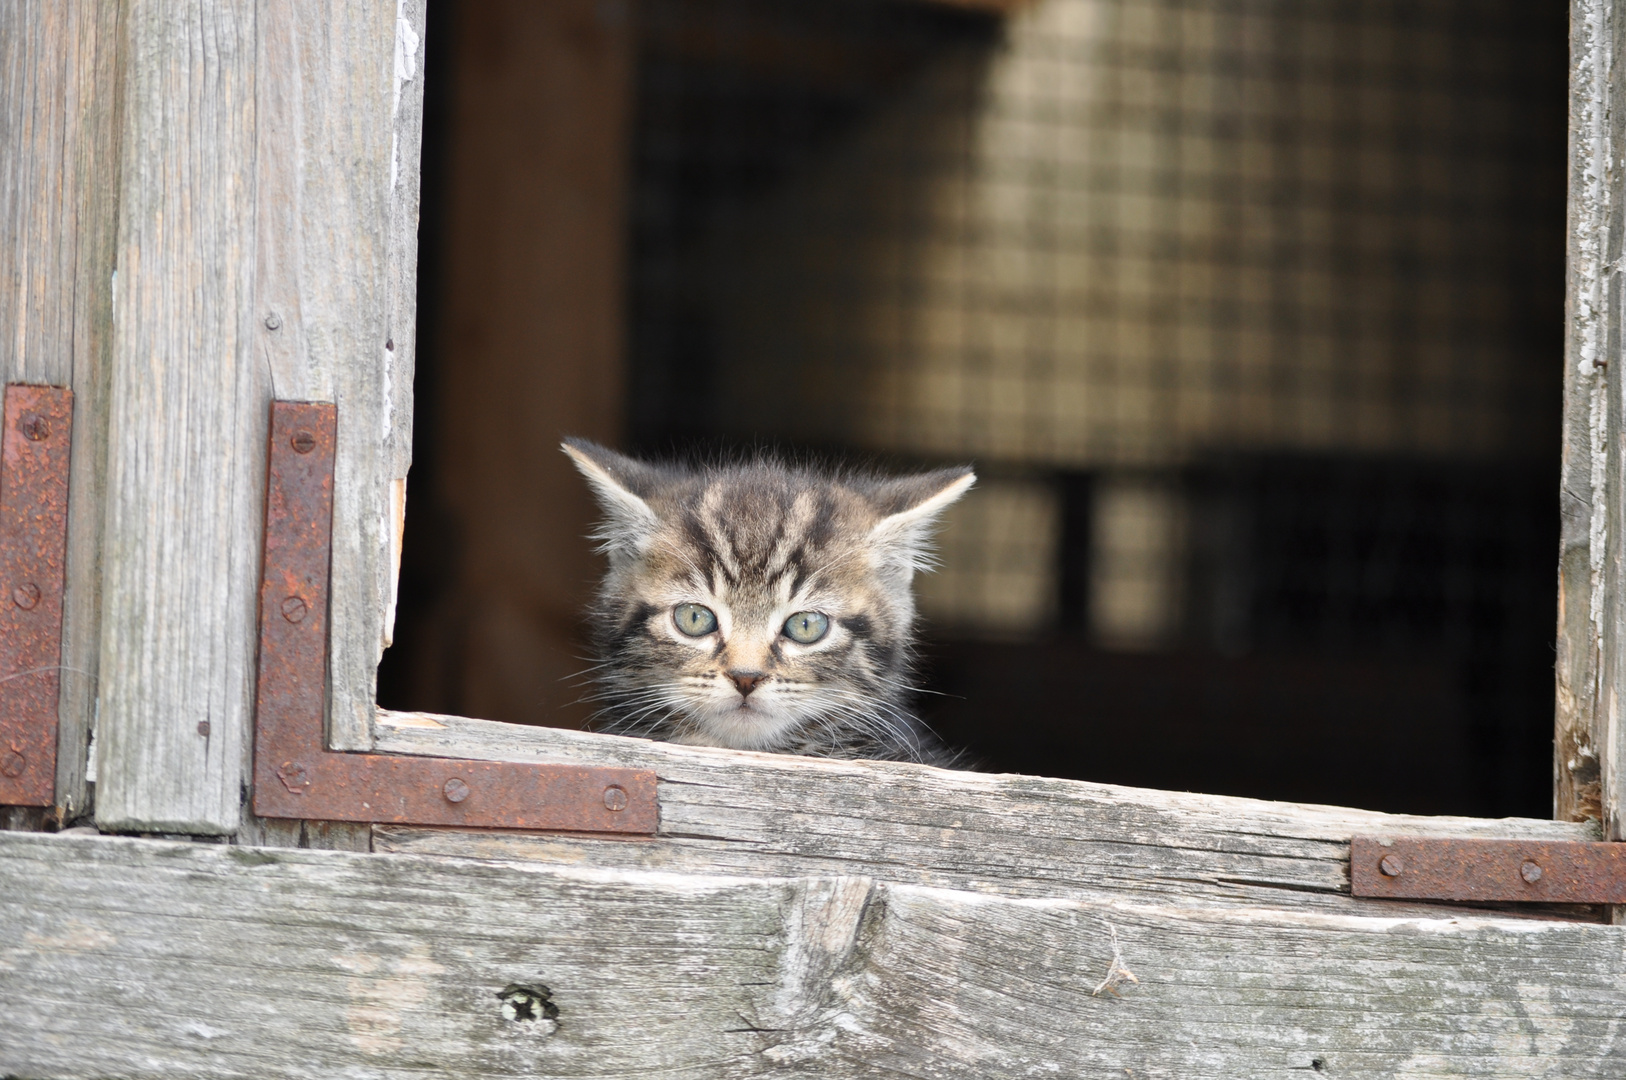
(755, 723)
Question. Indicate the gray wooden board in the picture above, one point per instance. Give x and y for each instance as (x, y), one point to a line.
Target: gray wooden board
(58, 165)
(138, 958)
(726, 811)
(401, 327)
(1592, 619)
(267, 199)
(339, 122)
(1576, 775)
(340, 111)
(187, 427)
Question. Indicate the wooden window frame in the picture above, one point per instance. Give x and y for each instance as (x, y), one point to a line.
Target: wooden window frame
(829, 917)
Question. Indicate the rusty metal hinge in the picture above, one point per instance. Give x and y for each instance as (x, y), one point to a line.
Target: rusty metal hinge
(1430, 868)
(296, 776)
(34, 448)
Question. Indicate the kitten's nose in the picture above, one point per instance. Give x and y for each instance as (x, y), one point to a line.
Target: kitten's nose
(747, 681)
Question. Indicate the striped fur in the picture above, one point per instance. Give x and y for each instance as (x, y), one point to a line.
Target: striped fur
(755, 543)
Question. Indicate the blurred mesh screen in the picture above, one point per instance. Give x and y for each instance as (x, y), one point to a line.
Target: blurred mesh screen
(1249, 314)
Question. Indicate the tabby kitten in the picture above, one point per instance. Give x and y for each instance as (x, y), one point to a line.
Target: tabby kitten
(762, 606)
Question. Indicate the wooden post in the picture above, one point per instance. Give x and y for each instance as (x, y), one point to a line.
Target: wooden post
(1588, 750)
(267, 204)
(58, 164)
(340, 101)
(186, 417)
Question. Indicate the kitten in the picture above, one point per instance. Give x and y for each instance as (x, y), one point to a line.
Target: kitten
(762, 606)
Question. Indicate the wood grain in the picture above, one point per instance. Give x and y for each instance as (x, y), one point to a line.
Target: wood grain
(339, 127)
(735, 812)
(186, 428)
(267, 237)
(401, 306)
(1588, 763)
(149, 958)
(58, 167)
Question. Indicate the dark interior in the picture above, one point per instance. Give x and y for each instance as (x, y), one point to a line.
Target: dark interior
(1363, 560)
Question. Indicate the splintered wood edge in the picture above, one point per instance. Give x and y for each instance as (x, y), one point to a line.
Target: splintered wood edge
(439, 735)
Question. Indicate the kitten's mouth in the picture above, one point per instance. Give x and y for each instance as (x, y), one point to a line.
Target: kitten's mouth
(748, 723)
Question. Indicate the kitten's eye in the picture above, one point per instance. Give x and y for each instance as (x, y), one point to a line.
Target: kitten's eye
(807, 626)
(694, 620)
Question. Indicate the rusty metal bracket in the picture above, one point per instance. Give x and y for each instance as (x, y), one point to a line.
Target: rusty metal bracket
(1430, 868)
(34, 448)
(296, 776)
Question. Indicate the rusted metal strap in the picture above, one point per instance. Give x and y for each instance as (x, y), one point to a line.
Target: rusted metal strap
(296, 776)
(1426, 868)
(34, 447)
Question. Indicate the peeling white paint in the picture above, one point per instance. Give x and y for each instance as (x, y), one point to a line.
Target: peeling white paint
(407, 42)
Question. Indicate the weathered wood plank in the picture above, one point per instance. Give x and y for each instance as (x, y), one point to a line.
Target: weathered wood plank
(735, 812)
(1587, 750)
(186, 430)
(401, 308)
(149, 958)
(339, 121)
(267, 230)
(291, 833)
(58, 162)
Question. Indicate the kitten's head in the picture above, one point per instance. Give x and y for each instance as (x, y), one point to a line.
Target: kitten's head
(760, 606)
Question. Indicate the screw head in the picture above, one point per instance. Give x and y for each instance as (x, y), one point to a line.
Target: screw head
(303, 442)
(615, 798)
(1530, 872)
(294, 776)
(455, 790)
(26, 596)
(273, 321)
(13, 764)
(295, 609)
(35, 428)
(203, 728)
(1392, 866)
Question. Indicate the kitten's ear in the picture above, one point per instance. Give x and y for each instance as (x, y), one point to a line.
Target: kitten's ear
(622, 486)
(911, 505)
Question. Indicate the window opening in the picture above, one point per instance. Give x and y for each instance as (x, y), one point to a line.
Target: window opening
(1250, 316)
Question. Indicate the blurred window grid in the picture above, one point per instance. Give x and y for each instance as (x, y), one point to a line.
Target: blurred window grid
(1249, 311)
(1249, 314)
